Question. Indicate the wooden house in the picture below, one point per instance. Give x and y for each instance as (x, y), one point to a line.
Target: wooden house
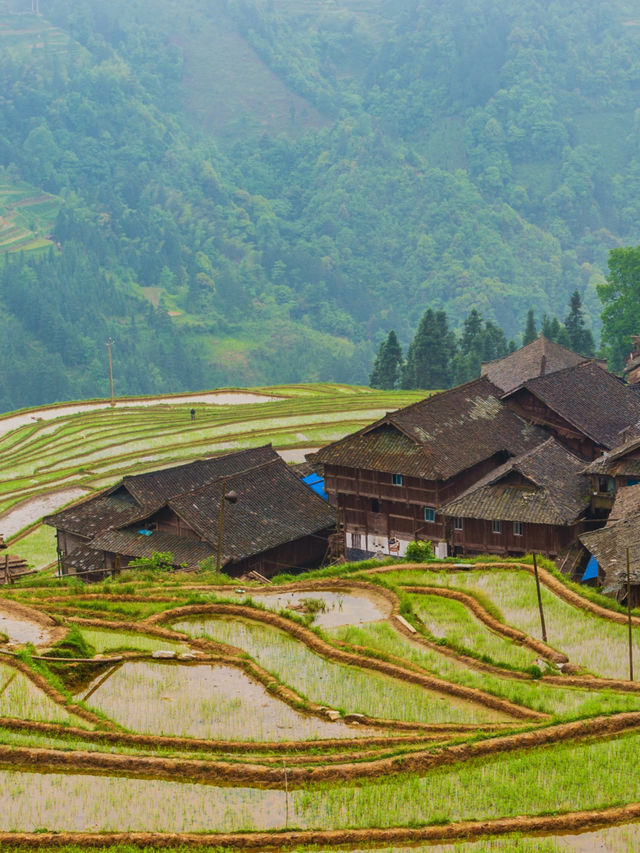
(389, 480)
(586, 408)
(613, 471)
(609, 546)
(273, 522)
(537, 501)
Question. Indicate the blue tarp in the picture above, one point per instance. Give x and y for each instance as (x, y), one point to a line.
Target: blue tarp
(315, 482)
(591, 572)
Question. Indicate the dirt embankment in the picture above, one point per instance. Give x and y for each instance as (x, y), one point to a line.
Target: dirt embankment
(321, 647)
(187, 744)
(236, 773)
(491, 622)
(42, 683)
(580, 821)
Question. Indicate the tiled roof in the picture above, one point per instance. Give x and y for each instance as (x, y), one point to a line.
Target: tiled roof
(131, 543)
(555, 490)
(614, 462)
(83, 560)
(589, 398)
(156, 487)
(138, 496)
(609, 546)
(627, 502)
(438, 437)
(540, 357)
(273, 507)
(96, 514)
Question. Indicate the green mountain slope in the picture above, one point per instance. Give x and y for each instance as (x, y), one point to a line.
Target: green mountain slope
(255, 191)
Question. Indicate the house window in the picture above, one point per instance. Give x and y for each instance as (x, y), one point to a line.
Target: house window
(496, 526)
(356, 541)
(606, 485)
(429, 513)
(396, 479)
(457, 524)
(517, 528)
(375, 505)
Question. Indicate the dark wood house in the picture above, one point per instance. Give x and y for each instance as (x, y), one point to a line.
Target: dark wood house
(389, 480)
(613, 471)
(271, 521)
(537, 501)
(586, 408)
(609, 546)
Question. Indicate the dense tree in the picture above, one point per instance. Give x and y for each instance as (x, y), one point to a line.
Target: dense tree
(581, 338)
(386, 367)
(620, 295)
(430, 356)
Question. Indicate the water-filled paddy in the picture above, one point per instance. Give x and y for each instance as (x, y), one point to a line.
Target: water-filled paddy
(330, 608)
(20, 698)
(349, 688)
(205, 700)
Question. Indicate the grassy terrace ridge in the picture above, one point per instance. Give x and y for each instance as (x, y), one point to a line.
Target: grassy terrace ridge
(272, 765)
(76, 452)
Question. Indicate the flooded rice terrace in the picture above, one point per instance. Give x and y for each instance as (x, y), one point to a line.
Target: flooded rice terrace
(212, 701)
(330, 609)
(21, 631)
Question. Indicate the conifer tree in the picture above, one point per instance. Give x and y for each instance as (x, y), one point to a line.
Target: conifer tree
(386, 367)
(581, 339)
(530, 330)
(431, 353)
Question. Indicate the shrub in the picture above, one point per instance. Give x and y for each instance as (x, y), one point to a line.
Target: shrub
(419, 551)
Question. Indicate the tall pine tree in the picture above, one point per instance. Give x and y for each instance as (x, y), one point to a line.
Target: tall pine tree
(530, 330)
(580, 337)
(386, 367)
(430, 360)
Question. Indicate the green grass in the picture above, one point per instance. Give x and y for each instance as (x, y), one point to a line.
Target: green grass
(565, 777)
(345, 687)
(452, 622)
(110, 641)
(594, 643)
(563, 703)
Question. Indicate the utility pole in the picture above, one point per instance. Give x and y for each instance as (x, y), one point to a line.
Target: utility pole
(629, 618)
(109, 342)
(225, 496)
(535, 571)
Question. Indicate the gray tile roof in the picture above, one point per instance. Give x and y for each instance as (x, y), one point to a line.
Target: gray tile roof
(129, 542)
(541, 356)
(438, 437)
(543, 486)
(592, 400)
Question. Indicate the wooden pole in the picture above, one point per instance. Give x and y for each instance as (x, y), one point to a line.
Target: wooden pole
(109, 342)
(223, 491)
(629, 618)
(542, 625)
(286, 795)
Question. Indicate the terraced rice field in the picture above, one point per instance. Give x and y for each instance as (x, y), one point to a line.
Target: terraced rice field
(334, 722)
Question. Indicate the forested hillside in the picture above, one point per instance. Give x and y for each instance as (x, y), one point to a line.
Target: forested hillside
(252, 191)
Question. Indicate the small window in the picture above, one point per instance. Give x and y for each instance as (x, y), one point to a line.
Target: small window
(457, 524)
(375, 505)
(396, 479)
(517, 528)
(496, 526)
(606, 485)
(429, 513)
(356, 541)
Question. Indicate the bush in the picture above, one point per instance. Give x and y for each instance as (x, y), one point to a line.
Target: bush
(419, 551)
